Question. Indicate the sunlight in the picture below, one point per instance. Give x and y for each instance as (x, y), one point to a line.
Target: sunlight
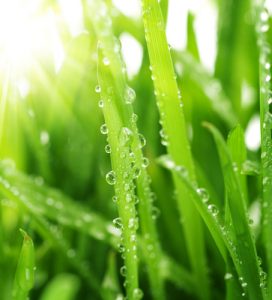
(27, 33)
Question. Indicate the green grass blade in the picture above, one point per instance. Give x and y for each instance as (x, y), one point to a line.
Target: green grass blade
(121, 110)
(121, 176)
(174, 135)
(39, 199)
(62, 287)
(192, 46)
(24, 277)
(237, 149)
(263, 26)
(211, 86)
(245, 245)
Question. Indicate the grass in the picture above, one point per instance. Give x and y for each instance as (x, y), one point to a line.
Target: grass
(144, 186)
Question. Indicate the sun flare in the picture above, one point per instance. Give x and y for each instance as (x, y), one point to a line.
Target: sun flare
(28, 32)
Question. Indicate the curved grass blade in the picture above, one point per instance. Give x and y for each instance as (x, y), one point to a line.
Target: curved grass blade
(175, 135)
(250, 278)
(39, 199)
(264, 32)
(24, 277)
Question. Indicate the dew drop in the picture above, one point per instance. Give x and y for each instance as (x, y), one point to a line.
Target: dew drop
(213, 209)
(145, 162)
(129, 95)
(125, 136)
(264, 15)
(203, 194)
(98, 89)
(115, 199)
(101, 103)
(104, 129)
(123, 271)
(44, 137)
(142, 140)
(111, 178)
(267, 78)
(134, 118)
(117, 222)
(155, 212)
(228, 276)
(106, 61)
(108, 149)
(137, 294)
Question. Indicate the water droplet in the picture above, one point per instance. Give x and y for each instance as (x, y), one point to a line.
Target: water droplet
(129, 95)
(111, 178)
(213, 209)
(244, 284)
(98, 89)
(267, 66)
(137, 294)
(123, 271)
(44, 137)
(101, 103)
(182, 171)
(145, 162)
(106, 61)
(104, 129)
(228, 276)
(117, 222)
(108, 149)
(142, 140)
(125, 136)
(203, 194)
(264, 28)
(267, 78)
(131, 223)
(155, 212)
(134, 118)
(114, 199)
(264, 15)
(136, 173)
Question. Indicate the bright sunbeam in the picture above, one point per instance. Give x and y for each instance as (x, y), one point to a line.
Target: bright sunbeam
(27, 33)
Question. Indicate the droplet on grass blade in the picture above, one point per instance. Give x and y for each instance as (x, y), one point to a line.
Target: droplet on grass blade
(137, 294)
(98, 89)
(123, 271)
(203, 194)
(111, 178)
(213, 209)
(228, 276)
(125, 136)
(129, 95)
(104, 129)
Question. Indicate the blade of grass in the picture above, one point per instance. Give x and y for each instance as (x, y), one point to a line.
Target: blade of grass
(63, 287)
(24, 277)
(39, 199)
(175, 135)
(250, 280)
(264, 32)
(121, 110)
(211, 86)
(237, 149)
(119, 138)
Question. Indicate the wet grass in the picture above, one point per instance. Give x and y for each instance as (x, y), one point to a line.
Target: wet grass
(143, 186)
